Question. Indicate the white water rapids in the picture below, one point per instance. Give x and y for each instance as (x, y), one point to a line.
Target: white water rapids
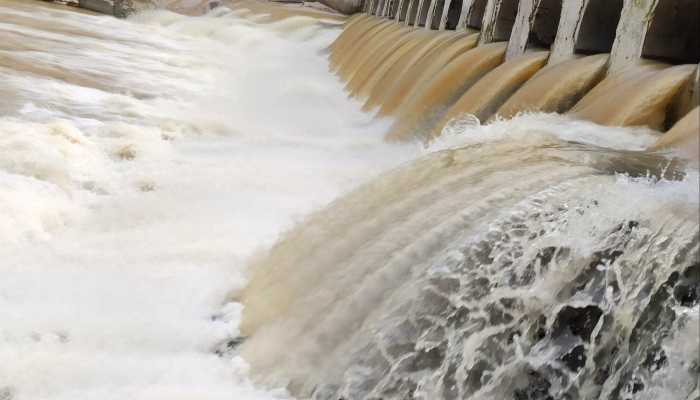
(136, 180)
(144, 162)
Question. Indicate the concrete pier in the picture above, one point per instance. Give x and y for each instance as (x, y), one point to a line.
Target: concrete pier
(630, 30)
(498, 21)
(471, 14)
(586, 27)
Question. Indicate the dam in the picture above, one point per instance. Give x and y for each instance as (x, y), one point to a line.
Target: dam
(421, 199)
(555, 53)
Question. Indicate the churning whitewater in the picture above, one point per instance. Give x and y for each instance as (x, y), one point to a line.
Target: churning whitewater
(195, 208)
(142, 162)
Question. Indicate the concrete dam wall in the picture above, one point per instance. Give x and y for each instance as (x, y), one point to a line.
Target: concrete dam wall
(628, 29)
(431, 64)
(617, 63)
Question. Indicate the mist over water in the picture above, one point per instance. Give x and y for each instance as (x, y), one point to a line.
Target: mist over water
(156, 171)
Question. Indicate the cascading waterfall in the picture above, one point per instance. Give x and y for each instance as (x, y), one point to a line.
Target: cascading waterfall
(634, 97)
(529, 267)
(434, 77)
(489, 93)
(447, 85)
(683, 136)
(542, 257)
(556, 88)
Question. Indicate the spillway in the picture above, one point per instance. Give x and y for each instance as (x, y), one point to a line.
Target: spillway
(506, 270)
(534, 253)
(459, 199)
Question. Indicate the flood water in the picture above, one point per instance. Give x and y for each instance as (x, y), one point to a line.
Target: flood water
(142, 162)
(159, 173)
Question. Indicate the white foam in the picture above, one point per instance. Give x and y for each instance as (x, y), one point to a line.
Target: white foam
(129, 202)
(538, 127)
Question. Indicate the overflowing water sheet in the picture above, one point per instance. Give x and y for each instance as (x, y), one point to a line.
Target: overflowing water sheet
(533, 258)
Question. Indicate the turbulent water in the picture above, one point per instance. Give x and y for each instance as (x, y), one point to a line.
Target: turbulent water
(141, 163)
(513, 264)
(154, 172)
